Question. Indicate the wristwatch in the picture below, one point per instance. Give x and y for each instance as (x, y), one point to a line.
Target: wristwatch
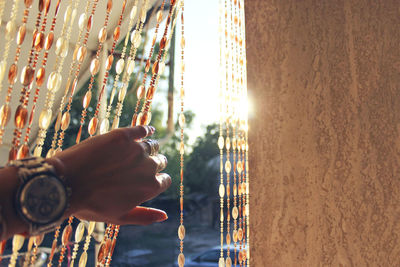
(42, 197)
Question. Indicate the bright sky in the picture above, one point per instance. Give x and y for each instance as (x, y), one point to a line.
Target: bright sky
(201, 56)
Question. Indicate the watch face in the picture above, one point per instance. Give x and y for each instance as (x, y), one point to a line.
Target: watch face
(43, 199)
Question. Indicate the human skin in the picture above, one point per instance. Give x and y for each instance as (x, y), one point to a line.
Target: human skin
(109, 175)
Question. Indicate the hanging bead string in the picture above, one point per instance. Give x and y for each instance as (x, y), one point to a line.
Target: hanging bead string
(245, 127)
(137, 41)
(20, 116)
(65, 239)
(181, 229)
(80, 51)
(144, 117)
(9, 34)
(37, 241)
(105, 246)
(27, 77)
(63, 120)
(96, 67)
(141, 90)
(28, 251)
(121, 66)
(221, 140)
(54, 80)
(136, 38)
(80, 230)
(45, 117)
(83, 258)
(92, 128)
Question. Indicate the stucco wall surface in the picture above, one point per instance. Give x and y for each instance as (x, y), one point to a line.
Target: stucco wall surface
(324, 77)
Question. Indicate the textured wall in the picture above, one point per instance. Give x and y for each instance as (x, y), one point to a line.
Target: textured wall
(324, 77)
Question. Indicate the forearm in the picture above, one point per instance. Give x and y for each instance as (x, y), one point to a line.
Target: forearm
(12, 223)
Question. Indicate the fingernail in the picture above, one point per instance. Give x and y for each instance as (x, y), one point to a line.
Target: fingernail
(152, 129)
(163, 217)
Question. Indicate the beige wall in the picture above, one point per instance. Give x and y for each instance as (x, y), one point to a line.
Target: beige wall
(324, 77)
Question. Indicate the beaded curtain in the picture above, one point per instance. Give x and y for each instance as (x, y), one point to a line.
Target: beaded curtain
(50, 48)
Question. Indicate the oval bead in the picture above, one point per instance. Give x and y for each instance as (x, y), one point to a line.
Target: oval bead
(104, 126)
(54, 81)
(182, 148)
(86, 99)
(48, 43)
(221, 262)
(61, 47)
(143, 15)
(182, 120)
(92, 128)
(94, 66)
(181, 260)
(228, 166)
(28, 3)
(140, 92)
(89, 23)
(45, 119)
(102, 253)
(163, 42)
(3, 66)
(181, 232)
(150, 92)
(183, 42)
(38, 240)
(66, 235)
(38, 41)
(81, 53)
(23, 152)
(38, 151)
(235, 213)
(122, 93)
(119, 67)
(228, 143)
(234, 235)
(5, 114)
(80, 230)
(240, 234)
(57, 125)
(221, 142)
(155, 67)
(133, 12)
(102, 35)
(18, 242)
(10, 30)
(82, 21)
(115, 123)
(228, 262)
(117, 33)
(130, 66)
(40, 75)
(66, 119)
(12, 74)
(91, 227)
(159, 16)
(109, 62)
(27, 75)
(67, 14)
(221, 190)
(83, 259)
(137, 39)
(21, 34)
(21, 117)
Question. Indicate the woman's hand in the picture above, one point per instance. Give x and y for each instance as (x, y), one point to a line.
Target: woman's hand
(110, 175)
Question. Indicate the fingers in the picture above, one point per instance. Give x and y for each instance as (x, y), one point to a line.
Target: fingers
(138, 132)
(150, 146)
(161, 162)
(143, 216)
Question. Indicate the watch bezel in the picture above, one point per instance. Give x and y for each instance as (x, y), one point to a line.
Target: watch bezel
(21, 202)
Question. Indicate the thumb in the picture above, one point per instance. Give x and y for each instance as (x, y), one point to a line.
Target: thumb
(143, 216)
